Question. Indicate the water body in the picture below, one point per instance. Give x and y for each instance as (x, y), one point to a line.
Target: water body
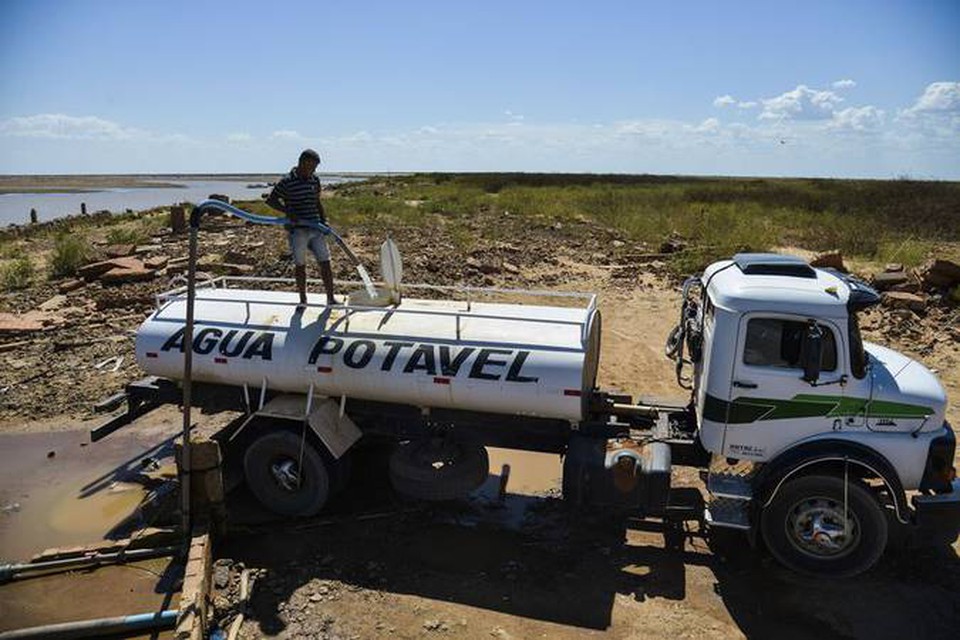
(15, 207)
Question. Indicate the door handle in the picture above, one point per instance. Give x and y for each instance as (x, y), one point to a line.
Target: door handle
(745, 385)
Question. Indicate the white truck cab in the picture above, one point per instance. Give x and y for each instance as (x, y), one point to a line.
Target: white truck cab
(753, 397)
(787, 395)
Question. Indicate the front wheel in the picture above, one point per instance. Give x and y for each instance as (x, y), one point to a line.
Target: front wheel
(807, 529)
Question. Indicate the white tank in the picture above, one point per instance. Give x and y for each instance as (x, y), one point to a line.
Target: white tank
(492, 357)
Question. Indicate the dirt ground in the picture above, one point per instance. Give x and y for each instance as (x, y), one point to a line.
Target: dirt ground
(375, 566)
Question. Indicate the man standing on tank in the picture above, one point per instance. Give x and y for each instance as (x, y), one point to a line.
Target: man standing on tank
(297, 196)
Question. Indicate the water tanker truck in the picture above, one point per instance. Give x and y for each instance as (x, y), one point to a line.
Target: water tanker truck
(820, 445)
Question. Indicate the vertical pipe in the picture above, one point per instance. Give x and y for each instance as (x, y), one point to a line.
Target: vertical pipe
(504, 479)
(188, 374)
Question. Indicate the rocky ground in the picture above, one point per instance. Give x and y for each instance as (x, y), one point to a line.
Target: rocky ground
(523, 569)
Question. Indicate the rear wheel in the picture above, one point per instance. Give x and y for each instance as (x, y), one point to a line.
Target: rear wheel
(438, 468)
(283, 480)
(808, 530)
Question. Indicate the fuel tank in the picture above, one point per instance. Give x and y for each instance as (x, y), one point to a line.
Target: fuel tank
(517, 359)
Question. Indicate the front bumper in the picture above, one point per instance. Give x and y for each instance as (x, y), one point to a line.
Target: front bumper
(937, 517)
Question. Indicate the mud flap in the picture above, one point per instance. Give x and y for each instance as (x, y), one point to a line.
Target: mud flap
(335, 429)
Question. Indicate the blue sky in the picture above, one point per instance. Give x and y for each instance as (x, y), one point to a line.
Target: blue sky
(840, 89)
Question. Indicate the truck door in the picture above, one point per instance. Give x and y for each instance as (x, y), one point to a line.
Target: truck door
(770, 406)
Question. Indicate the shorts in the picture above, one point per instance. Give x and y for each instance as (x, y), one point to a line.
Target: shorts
(303, 238)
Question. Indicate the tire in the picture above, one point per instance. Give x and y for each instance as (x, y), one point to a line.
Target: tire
(583, 456)
(279, 448)
(789, 527)
(438, 469)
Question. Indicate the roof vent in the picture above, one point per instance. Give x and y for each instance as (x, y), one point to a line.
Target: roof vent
(773, 264)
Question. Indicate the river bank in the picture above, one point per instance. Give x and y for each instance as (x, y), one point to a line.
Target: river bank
(53, 196)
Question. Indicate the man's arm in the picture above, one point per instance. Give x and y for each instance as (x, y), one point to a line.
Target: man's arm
(275, 199)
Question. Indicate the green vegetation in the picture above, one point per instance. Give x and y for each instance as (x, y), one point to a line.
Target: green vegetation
(70, 252)
(126, 235)
(901, 220)
(135, 229)
(18, 273)
(909, 252)
(886, 221)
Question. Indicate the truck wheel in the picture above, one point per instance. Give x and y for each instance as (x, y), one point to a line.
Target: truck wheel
(279, 482)
(438, 469)
(804, 527)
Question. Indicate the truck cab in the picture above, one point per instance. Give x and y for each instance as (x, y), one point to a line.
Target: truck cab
(793, 405)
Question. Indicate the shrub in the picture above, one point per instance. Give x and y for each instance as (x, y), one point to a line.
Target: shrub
(17, 274)
(70, 252)
(126, 235)
(909, 252)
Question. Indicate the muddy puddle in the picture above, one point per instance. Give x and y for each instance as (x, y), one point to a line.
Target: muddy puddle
(138, 587)
(57, 489)
(531, 473)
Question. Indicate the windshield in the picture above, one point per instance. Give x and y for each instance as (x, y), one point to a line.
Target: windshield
(858, 359)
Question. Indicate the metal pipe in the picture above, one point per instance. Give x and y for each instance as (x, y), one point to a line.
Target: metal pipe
(259, 219)
(504, 479)
(636, 410)
(96, 628)
(188, 374)
(10, 572)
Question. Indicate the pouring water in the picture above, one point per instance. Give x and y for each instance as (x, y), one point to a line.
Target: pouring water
(367, 282)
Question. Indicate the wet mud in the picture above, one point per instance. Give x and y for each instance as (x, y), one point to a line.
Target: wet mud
(58, 490)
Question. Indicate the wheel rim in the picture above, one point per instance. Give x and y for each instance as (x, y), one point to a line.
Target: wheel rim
(817, 528)
(285, 473)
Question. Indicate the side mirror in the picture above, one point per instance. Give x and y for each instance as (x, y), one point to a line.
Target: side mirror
(810, 352)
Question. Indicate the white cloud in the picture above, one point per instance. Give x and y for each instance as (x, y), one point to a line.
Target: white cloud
(802, 103)
(846, 83)
(824, 136)
(361, 136)
(858, 118)
(942, 97)
(724, 101)
(710, 125)
(935, 115)
(651, 129)
(62, 126)
(516, 117)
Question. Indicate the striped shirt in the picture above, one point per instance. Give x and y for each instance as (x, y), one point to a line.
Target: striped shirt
(300, 197)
